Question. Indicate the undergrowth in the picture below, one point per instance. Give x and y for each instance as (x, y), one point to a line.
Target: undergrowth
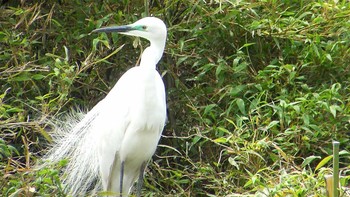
(257, 91)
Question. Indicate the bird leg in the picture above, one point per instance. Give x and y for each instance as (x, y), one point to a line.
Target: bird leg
(121, 178)
(112, 168)
(140, 181)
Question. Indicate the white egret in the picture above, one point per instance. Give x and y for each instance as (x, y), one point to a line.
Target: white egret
(114, 141)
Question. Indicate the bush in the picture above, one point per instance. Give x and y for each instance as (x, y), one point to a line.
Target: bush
(257, 90)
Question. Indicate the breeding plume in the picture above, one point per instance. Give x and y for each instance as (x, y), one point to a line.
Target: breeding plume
(111, 145)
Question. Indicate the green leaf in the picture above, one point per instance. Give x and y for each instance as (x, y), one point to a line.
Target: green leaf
(247, 44)
(220, 140)
(329, 57)
(38, 76)
(308, 160)
(272, 124)
(208, 108)
(236, 61)
(344, 152)
(323, 162)
(241, 105)
(333, 109)
(237, 89)
(21, 77)
(233, 162)
(14, 110)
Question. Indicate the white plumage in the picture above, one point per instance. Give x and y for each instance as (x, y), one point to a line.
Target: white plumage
(124, 127)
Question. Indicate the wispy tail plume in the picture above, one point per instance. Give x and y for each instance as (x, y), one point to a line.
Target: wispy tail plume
(75, 140)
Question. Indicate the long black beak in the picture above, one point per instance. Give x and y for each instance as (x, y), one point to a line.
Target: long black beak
(124, 28)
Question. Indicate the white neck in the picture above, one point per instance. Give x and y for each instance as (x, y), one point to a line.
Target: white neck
(152, 54)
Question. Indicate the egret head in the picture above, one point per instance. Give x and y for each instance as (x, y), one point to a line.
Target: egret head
(150, 28)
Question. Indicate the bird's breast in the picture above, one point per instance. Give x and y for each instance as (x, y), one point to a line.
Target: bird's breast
(140, 94)
(150, 104)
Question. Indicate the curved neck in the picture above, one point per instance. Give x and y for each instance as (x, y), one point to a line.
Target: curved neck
(152, 54)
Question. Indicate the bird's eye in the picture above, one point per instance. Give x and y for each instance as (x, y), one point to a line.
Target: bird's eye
(144, 27)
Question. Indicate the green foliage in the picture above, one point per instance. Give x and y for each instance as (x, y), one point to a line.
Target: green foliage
(257, 90)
